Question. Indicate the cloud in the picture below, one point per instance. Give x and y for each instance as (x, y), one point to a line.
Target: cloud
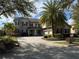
(3, 20)
(39, 6)
(70, 21)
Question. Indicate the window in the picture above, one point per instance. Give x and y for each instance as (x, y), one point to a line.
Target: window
(26, 23)
(66, 30)
(22, 31)
(57, 31)
(31, 24)
(15, 23)
(17, 30)
(18, 23)
(36, 25)
(22, 23)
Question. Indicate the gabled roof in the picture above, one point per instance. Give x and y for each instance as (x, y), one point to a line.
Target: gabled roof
(28, 18)
(67, 24)
(19, 18)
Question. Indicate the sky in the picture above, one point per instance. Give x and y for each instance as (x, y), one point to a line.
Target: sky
(3, 20)
(38, 5)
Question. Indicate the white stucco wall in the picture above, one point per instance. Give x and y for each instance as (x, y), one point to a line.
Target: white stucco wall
(46, 33)
(43, 25)
(49, 32)
(73, 31)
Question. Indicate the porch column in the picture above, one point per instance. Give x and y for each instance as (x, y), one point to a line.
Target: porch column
(35, 32)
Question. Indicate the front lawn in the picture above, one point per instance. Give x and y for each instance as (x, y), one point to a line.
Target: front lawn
(63, 42)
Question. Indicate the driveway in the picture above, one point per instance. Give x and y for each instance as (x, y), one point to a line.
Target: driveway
(37, 48)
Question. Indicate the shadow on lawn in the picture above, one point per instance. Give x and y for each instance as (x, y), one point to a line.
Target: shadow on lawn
(74, 44)
(41, 51)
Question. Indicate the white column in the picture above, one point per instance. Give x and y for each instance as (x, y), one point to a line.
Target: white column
(27, 24)
(33, 24)
(35, 32)
(37, 25)
(28, 32)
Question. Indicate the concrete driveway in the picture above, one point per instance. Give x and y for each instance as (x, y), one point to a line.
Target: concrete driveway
(37, 48)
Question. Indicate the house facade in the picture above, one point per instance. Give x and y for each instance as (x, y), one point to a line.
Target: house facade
(58, 30)
(27, 26)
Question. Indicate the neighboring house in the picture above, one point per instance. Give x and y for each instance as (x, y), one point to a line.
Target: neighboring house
(58, 29)
(28, 26)
(73, 29)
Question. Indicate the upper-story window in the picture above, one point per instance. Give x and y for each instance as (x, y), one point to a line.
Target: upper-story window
(16, 23)
(22, 23)
(31, 24)
(26, 23)
(36, 25)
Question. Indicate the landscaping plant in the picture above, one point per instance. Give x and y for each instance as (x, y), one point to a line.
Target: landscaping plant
(8, 43)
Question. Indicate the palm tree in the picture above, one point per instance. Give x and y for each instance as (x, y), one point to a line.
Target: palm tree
(75, 15)
(53, 14)
(9, 28)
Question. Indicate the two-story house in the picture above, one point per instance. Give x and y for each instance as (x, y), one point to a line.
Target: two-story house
(27, 26)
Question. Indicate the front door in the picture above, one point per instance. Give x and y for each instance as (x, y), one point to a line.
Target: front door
(31, 32)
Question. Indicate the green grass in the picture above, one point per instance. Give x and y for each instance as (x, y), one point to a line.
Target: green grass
(12, 37)
(76, 40)
(62, 42)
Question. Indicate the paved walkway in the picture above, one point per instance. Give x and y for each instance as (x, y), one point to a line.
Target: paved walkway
(37, 48)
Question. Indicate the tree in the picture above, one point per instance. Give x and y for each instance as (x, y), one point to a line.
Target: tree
(75, 15)
(53, 13)
(9, 7)
(9, 28)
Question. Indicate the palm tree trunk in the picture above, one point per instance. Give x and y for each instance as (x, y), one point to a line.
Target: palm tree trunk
(53, 29)
(53, 32)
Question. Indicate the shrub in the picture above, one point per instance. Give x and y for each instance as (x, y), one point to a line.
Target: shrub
(7, 43)
(49, 36)
(45, 36)
(57, 35)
